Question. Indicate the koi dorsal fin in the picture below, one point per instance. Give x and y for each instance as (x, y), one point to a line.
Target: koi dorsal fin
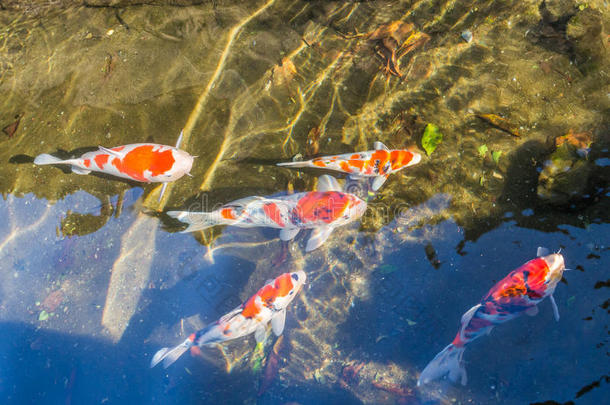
(328, 183)
(380, 146)
(179, 141)
(542, 251)
(112, 152)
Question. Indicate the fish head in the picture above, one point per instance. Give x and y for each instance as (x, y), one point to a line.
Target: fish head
(404, 158)
(356, 207)
(556, 265)
(287, 286)
(183, 162)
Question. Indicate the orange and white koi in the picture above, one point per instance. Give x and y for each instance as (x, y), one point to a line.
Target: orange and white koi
(144, 162)
(268, 305)
(519, 292)
(322, 210)
(378, 163)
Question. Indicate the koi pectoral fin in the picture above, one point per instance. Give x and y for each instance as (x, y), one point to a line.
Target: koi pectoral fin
(288, 234)
(179, 141)
(78, 170)
(260, 333)
(278, 321)
(318, 237)
(380, 146)
(163, 187)
(328, 183)
(555, 309)
(378, 182)
(532, 311)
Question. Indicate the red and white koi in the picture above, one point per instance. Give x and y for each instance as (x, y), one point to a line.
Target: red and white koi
(268, 305)
(145, 162)
(378, 163)
(519, 292)
(322, 210)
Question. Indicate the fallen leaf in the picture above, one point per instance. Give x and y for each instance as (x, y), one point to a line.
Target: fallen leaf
(500, 123)
(431, 139)
(10, 129)
(580, 140)
(53, 300)
(495, 155)
(483, 150)
(394, 40)
(313, 141)
(44, 315)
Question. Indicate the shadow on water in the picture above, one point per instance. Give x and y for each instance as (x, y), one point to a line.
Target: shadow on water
(49, 367)
(43, 366)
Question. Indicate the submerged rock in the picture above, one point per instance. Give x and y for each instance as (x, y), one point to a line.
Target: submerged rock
(564, 175)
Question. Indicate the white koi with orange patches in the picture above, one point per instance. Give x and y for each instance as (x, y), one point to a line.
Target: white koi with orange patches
(144, 162)
(267, 306)
(296, 211)
(380, 162)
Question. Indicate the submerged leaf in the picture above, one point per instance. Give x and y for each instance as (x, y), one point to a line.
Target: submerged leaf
(431, 139)
(44, 315)
(495, 155)
(483, 150)
(500, 123)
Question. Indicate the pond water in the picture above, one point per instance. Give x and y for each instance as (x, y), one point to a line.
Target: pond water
(95, 277)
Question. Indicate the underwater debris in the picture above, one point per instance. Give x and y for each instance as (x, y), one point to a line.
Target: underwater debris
(272, 366)
(394, 40)
(581, 141)
(109, 65)
(282, 73)
(10, 129)
(432, 256)
(467, 36)
(401, 392)
(565, 173)
(500, 123)
(313, 141)
(349, 375)
(53, 300)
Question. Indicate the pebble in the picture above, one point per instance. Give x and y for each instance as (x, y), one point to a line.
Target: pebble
(467, 36)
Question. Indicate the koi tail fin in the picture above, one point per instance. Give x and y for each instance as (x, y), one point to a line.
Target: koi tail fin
(46, 159)
(295, 165)
(169, 355)
(448, 362)
(196, 220)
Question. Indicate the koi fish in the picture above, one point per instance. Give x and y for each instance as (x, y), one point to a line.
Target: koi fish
(519, 292)
(144, 162)
(322, 210)
(268, 305)
(378, 163)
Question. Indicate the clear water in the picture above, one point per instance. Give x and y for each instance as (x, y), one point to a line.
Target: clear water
(94, 278)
